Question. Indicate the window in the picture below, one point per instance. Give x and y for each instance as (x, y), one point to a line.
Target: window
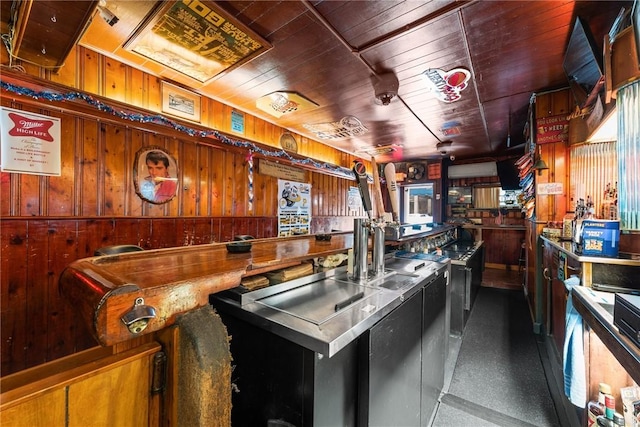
(418, 204)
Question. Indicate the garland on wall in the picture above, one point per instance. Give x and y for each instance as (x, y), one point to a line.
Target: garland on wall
(162, 120)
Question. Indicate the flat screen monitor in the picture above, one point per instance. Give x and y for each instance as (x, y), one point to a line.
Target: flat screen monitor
(508, 174)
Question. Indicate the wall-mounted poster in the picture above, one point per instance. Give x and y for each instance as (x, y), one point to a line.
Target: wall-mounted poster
(196, 38)
(552, 129)
(30, 143)
(294, 208)
(155, 175)
(180, 102)
(354, 201)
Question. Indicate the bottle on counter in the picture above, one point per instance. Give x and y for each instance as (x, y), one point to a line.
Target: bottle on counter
(595, 408)
(618, 419)
(603, 421)
(609, 406)
(567, 226)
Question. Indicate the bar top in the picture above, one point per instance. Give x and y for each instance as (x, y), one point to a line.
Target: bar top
(596, 309)
(495, 227)
(149, 289)
(569, 248)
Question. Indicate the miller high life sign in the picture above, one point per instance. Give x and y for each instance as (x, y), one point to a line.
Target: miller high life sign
(30, 143)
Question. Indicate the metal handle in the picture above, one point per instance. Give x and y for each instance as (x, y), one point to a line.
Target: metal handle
(342, 304)
(468, 282)
(545, 274)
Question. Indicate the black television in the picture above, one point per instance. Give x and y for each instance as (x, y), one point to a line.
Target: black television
(508, 174)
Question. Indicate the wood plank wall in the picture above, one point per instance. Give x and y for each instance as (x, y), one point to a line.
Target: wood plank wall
(48, 222)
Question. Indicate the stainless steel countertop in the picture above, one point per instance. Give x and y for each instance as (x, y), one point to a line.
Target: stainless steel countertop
(304, 310)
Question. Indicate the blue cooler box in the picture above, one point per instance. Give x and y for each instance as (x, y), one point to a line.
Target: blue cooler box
(600, 237)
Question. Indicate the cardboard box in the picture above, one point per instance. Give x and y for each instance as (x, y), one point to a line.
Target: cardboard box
(600, 237)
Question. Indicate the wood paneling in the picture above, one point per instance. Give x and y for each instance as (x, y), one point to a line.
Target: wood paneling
(48, 222)
(77, 390)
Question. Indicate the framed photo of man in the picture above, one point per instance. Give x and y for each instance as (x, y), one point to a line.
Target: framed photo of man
(155, 175)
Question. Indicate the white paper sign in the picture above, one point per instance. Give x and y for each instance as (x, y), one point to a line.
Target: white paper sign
(548, 188)
(294, 208)
(30, 143)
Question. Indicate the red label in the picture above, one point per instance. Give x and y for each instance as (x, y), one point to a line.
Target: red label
(24, 126)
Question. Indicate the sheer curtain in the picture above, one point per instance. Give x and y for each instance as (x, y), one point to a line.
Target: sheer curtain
(628, 104)
(593, 167)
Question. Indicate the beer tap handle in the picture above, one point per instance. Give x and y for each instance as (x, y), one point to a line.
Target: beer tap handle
(360, 170)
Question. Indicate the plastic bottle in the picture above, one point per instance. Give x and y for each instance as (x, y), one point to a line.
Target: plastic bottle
(597, 407)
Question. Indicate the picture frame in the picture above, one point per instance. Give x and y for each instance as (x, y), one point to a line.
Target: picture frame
(180, 102)
(198, 39)
(155, 175)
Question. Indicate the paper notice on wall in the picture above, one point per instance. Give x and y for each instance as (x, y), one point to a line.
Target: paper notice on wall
(294, 208)
(549, 188)
(30, 143)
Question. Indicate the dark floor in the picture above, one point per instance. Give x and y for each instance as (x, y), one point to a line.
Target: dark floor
(496, 373)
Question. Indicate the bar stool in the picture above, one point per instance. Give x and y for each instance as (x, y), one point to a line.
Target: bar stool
(117, 249)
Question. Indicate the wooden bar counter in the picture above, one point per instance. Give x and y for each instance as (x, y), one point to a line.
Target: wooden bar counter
(150, 288)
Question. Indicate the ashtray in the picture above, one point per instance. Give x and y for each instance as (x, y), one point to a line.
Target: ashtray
(243, 237)
(323, 237)
(239, 247)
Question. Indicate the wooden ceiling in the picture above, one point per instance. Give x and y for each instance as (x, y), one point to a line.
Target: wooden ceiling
(329, 52)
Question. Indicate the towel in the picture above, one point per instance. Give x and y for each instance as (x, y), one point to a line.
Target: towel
(573, 365)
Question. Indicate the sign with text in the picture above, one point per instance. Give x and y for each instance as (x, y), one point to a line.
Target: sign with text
(237, 122)
(552, 129)
(550, 188)
(294, 208)
(354, 200)
(278, 170)
(196, 38)
(30, 143)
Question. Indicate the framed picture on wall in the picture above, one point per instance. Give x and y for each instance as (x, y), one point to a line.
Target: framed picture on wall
(180, 102)
(155, 175)
(196, 38)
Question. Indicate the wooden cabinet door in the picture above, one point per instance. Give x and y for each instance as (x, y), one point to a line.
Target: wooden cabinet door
(558, 302)
(119, 396)
(91, 388)
(46, 409)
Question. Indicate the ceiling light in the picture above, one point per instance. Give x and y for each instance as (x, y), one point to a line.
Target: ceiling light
(278, 104)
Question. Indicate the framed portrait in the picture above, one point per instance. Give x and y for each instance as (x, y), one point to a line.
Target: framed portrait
(196, 38)
(155, 175)
(180, 102)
